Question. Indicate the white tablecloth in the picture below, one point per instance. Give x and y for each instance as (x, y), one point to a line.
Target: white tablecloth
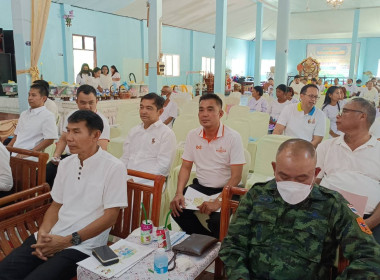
(9, 105)
(140, 270)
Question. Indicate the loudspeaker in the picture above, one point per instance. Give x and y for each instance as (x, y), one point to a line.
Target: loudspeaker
(5, 69)
(8, 42)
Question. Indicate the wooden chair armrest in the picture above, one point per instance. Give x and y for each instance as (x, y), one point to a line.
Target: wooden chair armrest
(24, 194)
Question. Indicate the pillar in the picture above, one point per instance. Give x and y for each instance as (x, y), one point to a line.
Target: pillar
(154, 41)
(67, 46)
(220, 46)
(355, 30)
(258, 42)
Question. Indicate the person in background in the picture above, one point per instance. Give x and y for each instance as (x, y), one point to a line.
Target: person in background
(49, 104)
(336, 82)
(331, 107)
(84, 74)
(270, 87)
(105, 78)
(170, 107)
(291, 228)
(350, 87)
(258, 103)
(297, 85)
(290, 95)
(36, 128)
(359, 83)
(313, 81)
(370, 93)
(320, 85)
(342, 97)
(6, 181)
(95, 80)
(115, 75)
(275, 108)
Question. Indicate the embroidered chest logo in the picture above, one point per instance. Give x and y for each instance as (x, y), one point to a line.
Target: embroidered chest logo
(153, 140)
(221, 150)
(312, 121)
(198, 147)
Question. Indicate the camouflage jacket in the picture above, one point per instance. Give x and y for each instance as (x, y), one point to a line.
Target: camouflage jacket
(271, 239)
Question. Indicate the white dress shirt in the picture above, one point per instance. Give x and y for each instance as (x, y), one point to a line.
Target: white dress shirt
(213, 159)
(150, 150)
(171, 110)
(370, 95)
(6, 181)
(85, 192)
(297, 87)
(260, 105)
(34, 126)
(300, 125)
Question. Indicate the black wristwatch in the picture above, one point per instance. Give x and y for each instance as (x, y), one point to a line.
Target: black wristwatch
(76, 240)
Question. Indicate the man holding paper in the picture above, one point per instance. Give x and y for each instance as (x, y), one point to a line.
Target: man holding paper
(218, 154)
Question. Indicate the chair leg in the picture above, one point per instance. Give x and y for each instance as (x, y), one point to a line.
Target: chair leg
(219, 269)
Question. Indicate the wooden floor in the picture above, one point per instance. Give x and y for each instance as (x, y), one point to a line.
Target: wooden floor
(6, 116)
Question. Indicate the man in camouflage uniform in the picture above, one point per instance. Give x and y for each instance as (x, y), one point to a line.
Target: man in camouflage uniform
(294, 233)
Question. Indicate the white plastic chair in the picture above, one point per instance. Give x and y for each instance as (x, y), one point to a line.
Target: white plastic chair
(259, 122)
(183, 124)
(181, 101)
(190, 108)
(242, 127)
(196, 98)
(238, 112)
(236, 94)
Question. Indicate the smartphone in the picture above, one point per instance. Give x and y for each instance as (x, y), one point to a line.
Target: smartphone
(105, 255)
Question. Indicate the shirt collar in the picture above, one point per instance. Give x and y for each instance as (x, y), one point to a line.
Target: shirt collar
(37, 110)
(370, 143)
(156, 124)
(299, 108)
(218, 135)
(93, 158)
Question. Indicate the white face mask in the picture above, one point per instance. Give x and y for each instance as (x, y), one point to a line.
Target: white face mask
(293, 192)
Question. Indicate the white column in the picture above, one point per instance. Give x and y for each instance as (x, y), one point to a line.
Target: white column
(282, 42)
(258, 42)
(355, 31)
(154, 33)
(220, 46)
(67, 46)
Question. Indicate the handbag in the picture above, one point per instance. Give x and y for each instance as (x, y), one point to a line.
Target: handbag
(194, 245)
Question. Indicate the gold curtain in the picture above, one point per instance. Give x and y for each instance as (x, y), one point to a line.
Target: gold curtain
(40, 14)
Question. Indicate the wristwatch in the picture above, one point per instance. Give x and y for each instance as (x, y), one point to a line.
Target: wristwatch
(76, 240)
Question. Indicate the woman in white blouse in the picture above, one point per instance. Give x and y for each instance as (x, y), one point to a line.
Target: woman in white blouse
(115, 75)
(331, 107)
(105, 77)
(258, 103)
(83, 75)
(95, 80)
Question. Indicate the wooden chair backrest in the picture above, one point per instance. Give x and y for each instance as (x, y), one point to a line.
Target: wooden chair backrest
(131, 217)
(14, 230)
(27, 173)
(22, 195)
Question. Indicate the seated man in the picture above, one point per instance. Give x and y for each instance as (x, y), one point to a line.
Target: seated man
(303, 120)
(36, 128)
(170, 112)
(350, 87)
(49, 104)
(290, 228)
(218, 154)
(6, 181)
(150, 146)
(89, 190)
(297, 85)
(351, 162)
(370, 93)
(86, 100)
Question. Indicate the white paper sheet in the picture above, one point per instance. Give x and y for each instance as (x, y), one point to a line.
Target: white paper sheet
(194, 198)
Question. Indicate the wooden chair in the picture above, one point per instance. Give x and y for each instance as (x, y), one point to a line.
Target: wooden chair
(14, 230)
(131, 217)
(22, 195)
(27, 173)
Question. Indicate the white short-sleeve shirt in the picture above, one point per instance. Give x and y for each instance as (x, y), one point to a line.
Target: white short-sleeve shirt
(150, 150)
(331, 112)
(297, 87)
(34, 126)
(85, 192)
(115, 76)
(300, 125)
(171, 110)
(105, 81)
(84, 80)
(334, 157)
(275, 108)
(213, 159)
(351, 88)
(260, 105)
(6, 181)
(95, 82)
(370, 95)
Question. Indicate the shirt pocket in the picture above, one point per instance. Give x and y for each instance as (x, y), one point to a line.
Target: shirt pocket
(152, 148)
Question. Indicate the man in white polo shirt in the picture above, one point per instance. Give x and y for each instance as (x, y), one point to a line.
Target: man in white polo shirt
(86, 100)
(36, 128)
(303, 120)
(89, 190)
(218, 154)
(170, 112)
(150, 146)
(297, 85)
(351, 162)
(6, 182)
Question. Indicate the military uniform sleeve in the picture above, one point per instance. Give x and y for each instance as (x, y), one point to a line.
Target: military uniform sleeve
(356, 242)
(235, 247)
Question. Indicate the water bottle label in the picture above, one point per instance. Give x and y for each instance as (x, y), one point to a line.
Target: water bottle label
(160, 270)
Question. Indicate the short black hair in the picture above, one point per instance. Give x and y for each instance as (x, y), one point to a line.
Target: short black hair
(93, 121)
(270, 79)
(304, 88)
(108, 70)
(41, 88)
(259, 89)
(358, 81)
(158, 100)
(297, 76)
(282, 87)
(214, 96)
(314, 79)
(42, 82)
(96, 69)
(86, 89)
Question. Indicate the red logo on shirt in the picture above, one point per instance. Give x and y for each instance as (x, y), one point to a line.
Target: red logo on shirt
(198, 147)
(221, 150)
(153, 140)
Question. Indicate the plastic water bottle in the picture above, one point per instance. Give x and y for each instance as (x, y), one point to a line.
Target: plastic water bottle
(161, 265)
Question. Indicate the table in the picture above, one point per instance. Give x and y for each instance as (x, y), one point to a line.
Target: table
(9, 105)
(140, 270)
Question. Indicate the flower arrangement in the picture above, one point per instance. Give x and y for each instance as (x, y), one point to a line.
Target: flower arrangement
(68, 18)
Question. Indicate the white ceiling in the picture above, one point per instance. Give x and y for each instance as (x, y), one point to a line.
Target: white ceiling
(310, 19)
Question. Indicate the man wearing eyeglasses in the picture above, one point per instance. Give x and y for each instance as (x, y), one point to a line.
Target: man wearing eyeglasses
(351, 162)
(303, 120)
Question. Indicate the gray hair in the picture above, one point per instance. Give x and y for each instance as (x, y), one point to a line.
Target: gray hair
(367, 108)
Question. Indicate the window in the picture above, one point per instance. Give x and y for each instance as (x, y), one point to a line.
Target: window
(238, 67)
(378, 69)
(208, 65)
(84, 49)
(172, 67)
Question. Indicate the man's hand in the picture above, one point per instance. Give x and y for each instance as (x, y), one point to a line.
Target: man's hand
(209, 207)
(21, 156)
(177, 204)
(48, 244)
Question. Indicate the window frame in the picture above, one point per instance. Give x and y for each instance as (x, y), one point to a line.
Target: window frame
(84, 45)
(210, 60)
(179, 65)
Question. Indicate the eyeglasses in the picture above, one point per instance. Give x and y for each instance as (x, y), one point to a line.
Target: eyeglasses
(316, 97)
(345, 111)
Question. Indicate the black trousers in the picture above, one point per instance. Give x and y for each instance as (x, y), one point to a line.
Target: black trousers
(51, 171)
(189, 222)
(21, 264)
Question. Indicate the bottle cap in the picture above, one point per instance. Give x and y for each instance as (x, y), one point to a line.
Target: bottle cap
(160, 250)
